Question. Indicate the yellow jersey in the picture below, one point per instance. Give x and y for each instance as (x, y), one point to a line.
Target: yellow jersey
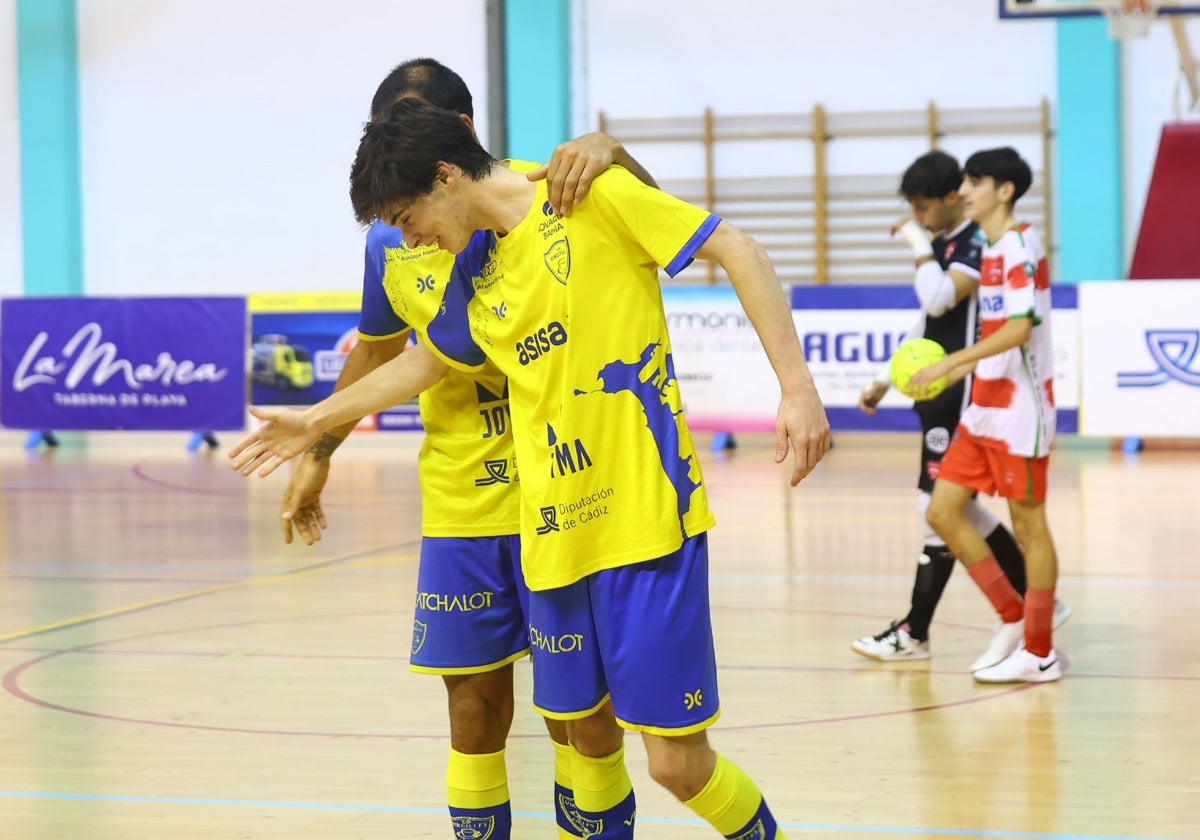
(570, 309)
(467, 470)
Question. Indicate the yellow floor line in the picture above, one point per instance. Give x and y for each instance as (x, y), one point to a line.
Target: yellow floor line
(75, 621)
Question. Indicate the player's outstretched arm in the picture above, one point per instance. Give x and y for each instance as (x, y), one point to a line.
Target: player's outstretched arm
(575, 164)
(300, 509)
(286, 433)
(801, 418)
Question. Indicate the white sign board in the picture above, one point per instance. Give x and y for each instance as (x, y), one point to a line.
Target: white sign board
(1141, 351)
(848, 334)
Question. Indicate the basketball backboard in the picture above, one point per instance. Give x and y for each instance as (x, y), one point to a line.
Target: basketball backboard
(1018, 9)
(1126, 20)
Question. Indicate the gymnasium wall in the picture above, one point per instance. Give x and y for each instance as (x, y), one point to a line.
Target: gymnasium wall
(10, 159)
(216, 137)
(676, 57)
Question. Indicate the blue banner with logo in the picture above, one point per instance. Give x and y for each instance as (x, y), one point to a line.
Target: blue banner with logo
(298, 345)
(154, 364)
(296, 357)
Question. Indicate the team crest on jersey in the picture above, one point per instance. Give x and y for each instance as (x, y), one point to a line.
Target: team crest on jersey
(756, 832)
(474, 828)
(420, 628)
(950, 248)
(558, 260)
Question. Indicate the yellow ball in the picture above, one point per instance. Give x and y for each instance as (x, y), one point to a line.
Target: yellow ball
(910, 357)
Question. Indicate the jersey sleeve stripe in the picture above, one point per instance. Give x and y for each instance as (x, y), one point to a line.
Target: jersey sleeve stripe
(684, 258)
(362, 336)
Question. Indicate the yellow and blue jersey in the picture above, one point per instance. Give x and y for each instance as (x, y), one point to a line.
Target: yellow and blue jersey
(467, 469)
(570, 310)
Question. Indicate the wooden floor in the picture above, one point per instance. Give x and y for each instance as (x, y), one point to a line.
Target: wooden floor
(172, 670)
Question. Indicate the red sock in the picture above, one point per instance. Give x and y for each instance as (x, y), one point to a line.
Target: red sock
(989, 577)
(1039, 621)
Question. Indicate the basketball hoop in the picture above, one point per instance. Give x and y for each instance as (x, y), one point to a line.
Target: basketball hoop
(1129, 18)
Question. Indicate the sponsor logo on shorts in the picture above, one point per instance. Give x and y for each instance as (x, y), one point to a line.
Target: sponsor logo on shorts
(937, 439)
(693, 699)
(474, 828)
(440, 602)
(420, 629)
(563, 643)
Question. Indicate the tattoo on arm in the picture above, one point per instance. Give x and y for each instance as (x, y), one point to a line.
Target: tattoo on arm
(325, 447)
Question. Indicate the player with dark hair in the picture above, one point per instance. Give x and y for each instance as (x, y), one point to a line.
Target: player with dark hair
(947, 256)
(470, 497)
(1002, 444)
(614, 509)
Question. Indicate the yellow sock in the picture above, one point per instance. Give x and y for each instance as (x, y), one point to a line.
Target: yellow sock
(564, 792)
(606, 807)
(477, 795)
(734, 806)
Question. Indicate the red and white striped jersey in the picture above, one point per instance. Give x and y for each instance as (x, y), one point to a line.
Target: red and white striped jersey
(1012, 396)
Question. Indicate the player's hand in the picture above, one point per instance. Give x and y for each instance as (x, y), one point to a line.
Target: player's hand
(870, 397)
(572, 168)
(301, 506)
(284, 434)
(919, 383)
(802, 421)
(899, 223)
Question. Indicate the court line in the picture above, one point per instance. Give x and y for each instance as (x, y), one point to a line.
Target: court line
(127, 609)
(539, 815)
(52, 478)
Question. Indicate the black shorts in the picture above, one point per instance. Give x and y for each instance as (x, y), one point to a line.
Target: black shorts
(937, 427)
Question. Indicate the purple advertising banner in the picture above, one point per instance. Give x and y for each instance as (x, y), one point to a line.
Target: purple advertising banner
(123, 363)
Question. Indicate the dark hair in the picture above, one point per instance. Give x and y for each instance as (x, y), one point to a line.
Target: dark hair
(430, 80)
(1002, 165)
(398, 156)
(933, 175)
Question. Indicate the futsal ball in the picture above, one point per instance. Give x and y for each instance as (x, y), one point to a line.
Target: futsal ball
(910, 357)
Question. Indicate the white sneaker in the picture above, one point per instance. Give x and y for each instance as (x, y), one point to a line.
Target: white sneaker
(1061, 613)
(1005, 640)
(892, 644)
(1023, 666)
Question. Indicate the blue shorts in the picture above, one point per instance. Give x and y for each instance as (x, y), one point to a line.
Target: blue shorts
(640, 634)
(472, 605)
